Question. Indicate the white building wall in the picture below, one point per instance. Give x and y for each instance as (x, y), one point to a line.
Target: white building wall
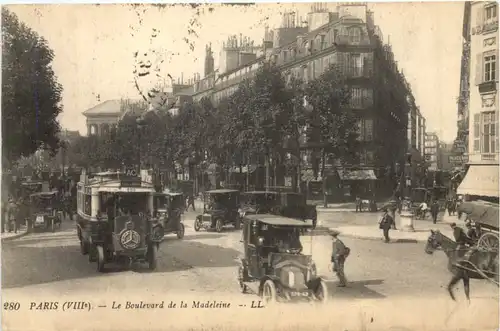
(484, 46)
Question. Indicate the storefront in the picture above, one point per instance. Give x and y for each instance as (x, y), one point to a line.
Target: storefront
(480, 181)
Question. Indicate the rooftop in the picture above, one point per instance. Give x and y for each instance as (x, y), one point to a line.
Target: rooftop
(112, 107)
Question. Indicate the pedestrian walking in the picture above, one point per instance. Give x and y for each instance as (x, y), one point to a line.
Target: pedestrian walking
(340, 252)
(358, 204)
(190, 202)
(385, 224)
(434, 211)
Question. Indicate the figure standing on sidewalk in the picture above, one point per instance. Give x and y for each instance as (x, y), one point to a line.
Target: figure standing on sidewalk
(339, 254)
(190, 202)
(434, 211)
(358, 204)
(386, 223)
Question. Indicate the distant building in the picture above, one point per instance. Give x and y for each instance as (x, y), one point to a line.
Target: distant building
(445, 151)
(432, 151)
(481, 179)
(350, 39)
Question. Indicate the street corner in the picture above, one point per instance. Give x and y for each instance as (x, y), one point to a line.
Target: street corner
(6, 237)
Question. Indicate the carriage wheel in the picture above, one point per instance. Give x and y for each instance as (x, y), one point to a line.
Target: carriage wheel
(488, 242)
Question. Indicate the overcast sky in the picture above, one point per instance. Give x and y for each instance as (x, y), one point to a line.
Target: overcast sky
(94, 47)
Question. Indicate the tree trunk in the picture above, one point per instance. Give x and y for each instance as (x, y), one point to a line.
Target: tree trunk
(323, 161)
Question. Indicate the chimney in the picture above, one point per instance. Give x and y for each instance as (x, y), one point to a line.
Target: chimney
(182, 78)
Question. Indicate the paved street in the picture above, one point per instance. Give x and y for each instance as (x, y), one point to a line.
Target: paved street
(206, 262)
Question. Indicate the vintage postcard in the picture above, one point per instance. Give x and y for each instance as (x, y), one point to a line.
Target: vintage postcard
(250, 166)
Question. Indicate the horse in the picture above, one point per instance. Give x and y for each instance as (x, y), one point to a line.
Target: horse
(464, 263)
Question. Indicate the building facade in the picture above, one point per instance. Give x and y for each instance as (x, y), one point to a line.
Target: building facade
(432, 151)
(481, 179)
(348, 38)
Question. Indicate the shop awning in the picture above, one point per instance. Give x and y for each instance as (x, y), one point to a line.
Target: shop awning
(481, 180)
(365, 174)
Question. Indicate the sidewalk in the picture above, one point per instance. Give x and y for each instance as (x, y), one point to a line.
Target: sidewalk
(421, 233)
(22, 231)
(345, 206)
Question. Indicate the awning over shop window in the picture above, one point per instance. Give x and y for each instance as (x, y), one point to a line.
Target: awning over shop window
(366, 174)
(481, 180)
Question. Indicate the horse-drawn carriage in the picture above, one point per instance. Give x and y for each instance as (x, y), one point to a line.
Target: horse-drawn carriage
(479, 261)
(485, 215)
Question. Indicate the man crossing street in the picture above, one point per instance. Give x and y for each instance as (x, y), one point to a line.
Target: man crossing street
(339, 254)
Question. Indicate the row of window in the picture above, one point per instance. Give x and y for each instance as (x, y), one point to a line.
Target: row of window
(323, 40)
(485, 138)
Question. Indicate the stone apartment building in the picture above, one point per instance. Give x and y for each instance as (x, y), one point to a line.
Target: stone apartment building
(350, 39)
(432, 154)
(481, 179)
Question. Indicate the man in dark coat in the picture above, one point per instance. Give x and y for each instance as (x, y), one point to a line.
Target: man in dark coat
(460, 236)
(471, 232)
(386, 223)
(339, 255)
(434, 211)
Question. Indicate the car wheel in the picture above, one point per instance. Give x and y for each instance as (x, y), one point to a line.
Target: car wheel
(269, 292)
(197, 225)
(152, 256)
(100, 258)
(180, 232)
(321, 293)
(218, 225)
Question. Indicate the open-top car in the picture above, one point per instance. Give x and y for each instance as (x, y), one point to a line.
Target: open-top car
(30, 187)
(169, 209)
(294, 205)
(273, 265)
(45, 210)
(114, 220)
(258, 202)
(221, 207)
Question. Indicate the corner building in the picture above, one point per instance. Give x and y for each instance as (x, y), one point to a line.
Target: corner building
(481, 179)
(380, 95)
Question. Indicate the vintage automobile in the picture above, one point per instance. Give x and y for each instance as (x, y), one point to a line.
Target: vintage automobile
(114, 220)
(221, 207)
(294, 205)
(273, 265)
(169, 209)
(30, 187)
(258, 202)
(45, 211)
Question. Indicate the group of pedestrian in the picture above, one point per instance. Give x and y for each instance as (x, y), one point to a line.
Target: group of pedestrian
(469, 238)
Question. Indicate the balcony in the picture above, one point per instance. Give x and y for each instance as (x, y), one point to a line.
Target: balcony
(487, 87)
(486, 27)
(365, 71)
(488, 157)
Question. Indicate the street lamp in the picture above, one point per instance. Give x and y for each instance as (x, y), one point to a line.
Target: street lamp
(406, 215)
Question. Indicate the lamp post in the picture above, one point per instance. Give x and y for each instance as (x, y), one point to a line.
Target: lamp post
(406, 217)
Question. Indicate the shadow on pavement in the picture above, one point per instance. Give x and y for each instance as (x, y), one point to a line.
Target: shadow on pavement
(172, 236)
(355, 289)
(190, 255)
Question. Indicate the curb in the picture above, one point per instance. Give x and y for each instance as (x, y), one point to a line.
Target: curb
(320, 230)
(19, 235)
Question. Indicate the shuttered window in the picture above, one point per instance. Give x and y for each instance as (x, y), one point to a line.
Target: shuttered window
(488, 133)
(477, 133)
